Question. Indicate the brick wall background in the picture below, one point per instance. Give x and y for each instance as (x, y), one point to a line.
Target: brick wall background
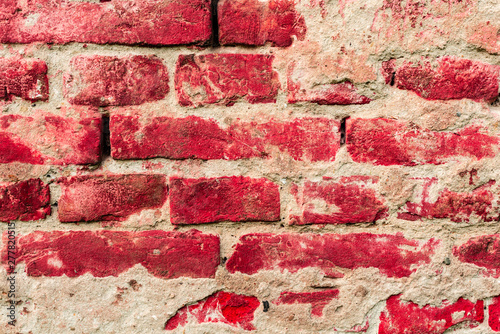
(276, 166)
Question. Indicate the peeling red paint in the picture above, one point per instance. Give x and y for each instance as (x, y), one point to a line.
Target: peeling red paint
(150, 22)
(109, 197)
(292, 252)
(24, 200)
(391, 142)
(225, 307)
(254, 22)
(225, 79)
(458, 207)
(111, 253)
(341, 93)
(494, 314)
(453, 78)
(25, 78)
(346, 201)
(406, 317)
(304, 139)
(234, 198)
(111, 81)
(483, 251)
(318, 300)
(50, 139)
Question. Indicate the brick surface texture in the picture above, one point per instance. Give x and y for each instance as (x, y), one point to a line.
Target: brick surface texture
(250, 166)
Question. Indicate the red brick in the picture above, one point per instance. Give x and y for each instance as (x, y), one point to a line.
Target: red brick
(149, 22)
(24, 78)
(25, 200)
(225, 79)
(483, 251)
(50, 139)
(346, 201)
(406, 317)
(232, 198)
(393, 255)
(342, 93)
(494, 314)
(458, 207)
(449, 78)
(318, 300)
(109, 197)
(225, 307)
(112, 81)
(254, 22)
(111, 253)
(391, 142)
(305, 139)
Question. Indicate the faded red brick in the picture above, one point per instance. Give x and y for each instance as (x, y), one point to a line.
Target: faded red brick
(318, 300)
(304, 139)
(24, 78)
(50, 139)
(24, 200)
(149, 22)
(387, 142)
(449, 78)
(111, 253)
(254, 22)
(225, 79)
(349, 200)
(483, 251)
(393, 255)
(109, 197)
(224, 307)
(112, 81)
(406, 317)
(494, 314)
(458, 207)
(232, 198)
(342, 93)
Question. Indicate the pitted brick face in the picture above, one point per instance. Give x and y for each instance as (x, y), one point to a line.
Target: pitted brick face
(150, 22)
(237, 199)
(109, 197)
(111, 81)
(225, 79)
(24, 78)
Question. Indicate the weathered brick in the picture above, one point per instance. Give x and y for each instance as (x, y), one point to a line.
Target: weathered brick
(111, 253)
(50, 139)
(458, 207)
(406, 317)
(254, 22)
(494, 314)
(292, 252)
(346, 201)
(485, 35)
(150, 22)
(112, 81)
(305, 139)
(342, 93)
(24, 200)
(24, 78)
(109, 197)
(225, 79)
(451, 78)
(386, 142)
(483, 251)
(233, 198)
(318, 300)
(225, 307)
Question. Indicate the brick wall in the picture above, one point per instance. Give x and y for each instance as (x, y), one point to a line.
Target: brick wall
(275, 166)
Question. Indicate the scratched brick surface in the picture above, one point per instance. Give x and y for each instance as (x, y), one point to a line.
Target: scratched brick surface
(249, 166)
